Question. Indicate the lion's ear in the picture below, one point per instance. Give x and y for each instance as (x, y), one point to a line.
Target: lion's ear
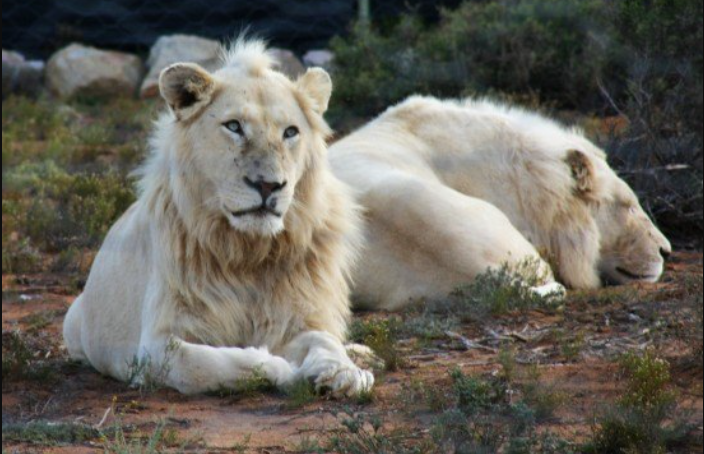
(317, 85)
(187, 88)
(583, 172)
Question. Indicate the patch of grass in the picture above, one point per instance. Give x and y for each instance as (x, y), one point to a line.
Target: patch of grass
(430, 396)
(604, 297)
(475, 395)
(366, 435)
(309, 446)
(300, 394)
(39, 320)
(483, 419)
(541, 398)
(571, 347)
(243, 446)
(427, 325)
(21, 360)
(48, 434)
(644, 420)
(120, 442)
(499, 292)
(62, 210)
(382, 337)
(254, 385)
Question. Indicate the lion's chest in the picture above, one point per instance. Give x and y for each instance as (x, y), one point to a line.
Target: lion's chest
(245, 319)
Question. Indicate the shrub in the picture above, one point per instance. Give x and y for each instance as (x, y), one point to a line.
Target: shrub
(480, 47)
(64, 210)
(22, 359)
(641, 60)
(366, 435)
(382, 337)
(499, 292)
(661, 153)
(644, 419)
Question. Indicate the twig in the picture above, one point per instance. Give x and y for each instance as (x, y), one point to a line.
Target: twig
(104, 420)
(468, 344)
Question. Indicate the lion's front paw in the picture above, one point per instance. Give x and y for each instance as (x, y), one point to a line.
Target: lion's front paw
(346, 381)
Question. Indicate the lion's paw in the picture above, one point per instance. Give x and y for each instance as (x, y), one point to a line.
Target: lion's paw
(346, 381)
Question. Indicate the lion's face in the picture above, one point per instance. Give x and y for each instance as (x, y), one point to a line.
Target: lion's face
(632, 248)
(251, 138)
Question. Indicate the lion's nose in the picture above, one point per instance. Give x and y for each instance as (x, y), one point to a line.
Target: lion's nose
(265, 188)
(666, 253)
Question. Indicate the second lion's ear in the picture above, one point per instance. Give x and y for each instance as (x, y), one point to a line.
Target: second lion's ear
(187, 88)
(583, 173)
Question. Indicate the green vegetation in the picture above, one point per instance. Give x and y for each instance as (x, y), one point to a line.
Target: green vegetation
(500, 292)
(645, 418)
(382, 337)
(300, 394)
(65, 179)
(638, 60)
(48, 434)
(22, 360)
(162, 440)
(366, 435)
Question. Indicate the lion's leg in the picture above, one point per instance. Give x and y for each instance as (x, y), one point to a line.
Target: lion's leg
(425, 239)
(73, 328)
(196, 369)
(324, 359)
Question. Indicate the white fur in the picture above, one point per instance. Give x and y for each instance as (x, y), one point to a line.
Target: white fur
(452, 189)
(204, 297)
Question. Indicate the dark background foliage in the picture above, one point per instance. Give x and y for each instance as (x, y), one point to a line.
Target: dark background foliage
(38, 27)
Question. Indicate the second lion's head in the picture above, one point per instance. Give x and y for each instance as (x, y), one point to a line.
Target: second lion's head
(244, 137)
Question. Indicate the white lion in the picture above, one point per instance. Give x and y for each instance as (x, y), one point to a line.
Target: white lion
(235, 259)
(453, 189)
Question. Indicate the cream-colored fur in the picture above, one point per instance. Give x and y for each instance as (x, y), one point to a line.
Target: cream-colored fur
(452, 189)
(235, 259)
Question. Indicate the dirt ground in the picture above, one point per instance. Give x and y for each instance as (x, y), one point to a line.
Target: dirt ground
(601, 326)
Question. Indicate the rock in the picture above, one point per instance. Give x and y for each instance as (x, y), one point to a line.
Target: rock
(178, 49)
(289, 64)
(319, 58)
(20, 76)
(81, 71)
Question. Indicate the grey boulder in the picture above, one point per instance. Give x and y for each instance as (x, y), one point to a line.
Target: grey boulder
(21, 77)
(82, 71)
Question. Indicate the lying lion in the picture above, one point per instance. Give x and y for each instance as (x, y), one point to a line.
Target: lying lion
(453, 189)
(235, 259)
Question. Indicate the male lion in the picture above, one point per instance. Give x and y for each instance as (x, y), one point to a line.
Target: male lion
(234, 261)
(453, 189)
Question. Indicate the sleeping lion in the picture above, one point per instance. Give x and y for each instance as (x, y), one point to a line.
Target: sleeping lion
(452, 189)
(236, 257)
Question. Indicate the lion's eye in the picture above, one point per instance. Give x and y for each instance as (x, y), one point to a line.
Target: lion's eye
(291, 132)
(234, 126)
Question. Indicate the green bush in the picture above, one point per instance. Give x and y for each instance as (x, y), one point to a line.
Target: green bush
(640, 59)
(67, 210)
(661, 153)
(553, 49)
(644, 420)
(382, 337)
